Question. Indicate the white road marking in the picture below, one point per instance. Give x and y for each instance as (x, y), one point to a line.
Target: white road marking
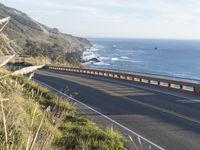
(115, 122)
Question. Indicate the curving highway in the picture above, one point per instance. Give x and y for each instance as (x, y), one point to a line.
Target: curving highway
(169, 119)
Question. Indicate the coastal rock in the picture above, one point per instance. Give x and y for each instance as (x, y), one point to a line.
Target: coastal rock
(95, 60)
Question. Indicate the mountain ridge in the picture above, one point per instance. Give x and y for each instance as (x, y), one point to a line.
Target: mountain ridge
(30, 37)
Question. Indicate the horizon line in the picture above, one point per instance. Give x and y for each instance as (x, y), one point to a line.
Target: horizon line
(140, 38)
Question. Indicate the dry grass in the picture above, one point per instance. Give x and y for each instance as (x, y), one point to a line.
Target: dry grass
(3, 71)
(34, 119)
(18, 116)
(40, 60)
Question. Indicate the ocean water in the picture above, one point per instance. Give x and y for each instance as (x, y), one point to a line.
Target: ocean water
(177, 58)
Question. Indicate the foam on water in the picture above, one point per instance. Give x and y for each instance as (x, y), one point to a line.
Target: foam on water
(124, 57)
(104, 58)
(173, 57)
(115, 59)
(102, 63)
(133, 61)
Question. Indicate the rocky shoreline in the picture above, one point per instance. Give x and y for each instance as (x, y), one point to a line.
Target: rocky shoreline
(89, 56)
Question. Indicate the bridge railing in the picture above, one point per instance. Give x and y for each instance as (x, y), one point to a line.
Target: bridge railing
(177, 85)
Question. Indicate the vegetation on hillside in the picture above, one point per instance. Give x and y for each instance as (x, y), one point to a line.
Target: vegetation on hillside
(3, 47)
(55, 53)
(32, 118)
(29, 37)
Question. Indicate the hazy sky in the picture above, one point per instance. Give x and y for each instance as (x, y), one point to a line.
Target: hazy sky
(178, 19)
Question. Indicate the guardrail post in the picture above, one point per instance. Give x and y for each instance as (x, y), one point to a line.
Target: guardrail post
(169, 85)
(197, 89)
(181, 87)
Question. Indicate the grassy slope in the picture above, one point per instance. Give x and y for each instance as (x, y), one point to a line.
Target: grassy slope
(61, 126)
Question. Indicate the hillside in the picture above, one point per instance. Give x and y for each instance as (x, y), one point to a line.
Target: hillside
(29, 37)
(33, 118)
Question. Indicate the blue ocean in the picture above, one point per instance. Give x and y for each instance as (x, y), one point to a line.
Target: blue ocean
(177, 58)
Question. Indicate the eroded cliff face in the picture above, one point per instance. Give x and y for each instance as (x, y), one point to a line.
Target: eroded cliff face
(32, 38)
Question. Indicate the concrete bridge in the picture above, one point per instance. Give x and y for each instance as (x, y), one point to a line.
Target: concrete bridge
(152, 112)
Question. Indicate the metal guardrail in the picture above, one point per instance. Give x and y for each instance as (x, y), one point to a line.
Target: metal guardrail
(171, 77)
(177, 85)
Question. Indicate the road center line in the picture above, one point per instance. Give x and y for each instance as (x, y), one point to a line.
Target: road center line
(115, 122)
(133, 100)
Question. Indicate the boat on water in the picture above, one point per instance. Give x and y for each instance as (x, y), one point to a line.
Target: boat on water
(155, 48)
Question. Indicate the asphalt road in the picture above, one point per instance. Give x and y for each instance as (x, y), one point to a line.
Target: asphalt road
(172, 122)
